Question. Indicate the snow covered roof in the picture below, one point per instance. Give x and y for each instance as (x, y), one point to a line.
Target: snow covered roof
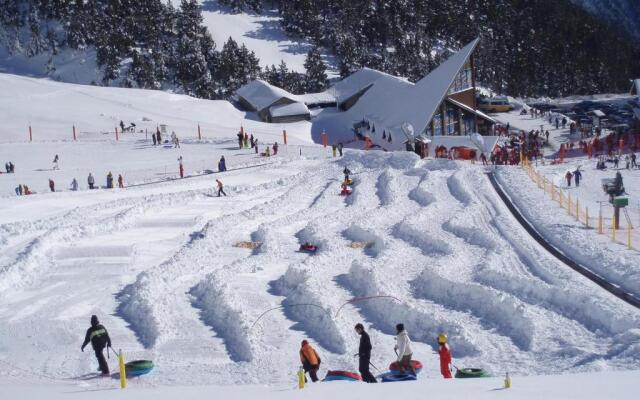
(392, 102)
(316, 98)
(598, 113)
(355, 82)
(289, 110)
(261, 94)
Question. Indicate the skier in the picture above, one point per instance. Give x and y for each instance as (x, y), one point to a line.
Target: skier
(568, 177)
(346, 173)
(403, 349)
(109, 180)
(364, 354)
(55, 162)
(445, 356)
(310, 360)
(220, 187)
(340, 149)
(52, 185)
(91, 181)
(222, 164)
(74, 184)
(275, 148)
(99, 338)
(577, 175)
(120, 181)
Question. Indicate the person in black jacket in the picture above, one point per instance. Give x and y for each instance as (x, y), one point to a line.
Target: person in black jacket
(99, 338)
(364, 354)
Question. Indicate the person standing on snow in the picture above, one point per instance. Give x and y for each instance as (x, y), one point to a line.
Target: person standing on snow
(90, 181)
(222, 164)
(340, 149)
(310, 360)
(275, 148)
(445, 356)
(74, 184)
(568, 177)
(99, 338)
(181, 167)
(52, 185)
(220, 188)
(120, 181)
(403, 350)
(346, 173)
(56, 159)
(364, 355)
(109, 180)
(577, 176)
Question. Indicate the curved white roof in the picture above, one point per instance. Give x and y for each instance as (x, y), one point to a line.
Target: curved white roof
(261, 94)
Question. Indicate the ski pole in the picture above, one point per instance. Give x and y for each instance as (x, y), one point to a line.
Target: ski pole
(376, 368)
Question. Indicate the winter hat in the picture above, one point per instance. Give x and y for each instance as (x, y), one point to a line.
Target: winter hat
(304, 343)
(94, 320)
(400, 327)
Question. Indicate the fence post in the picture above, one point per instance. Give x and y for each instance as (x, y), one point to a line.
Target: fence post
(613, 229)
(544, 185)
(284, 136)
(586, 214)
(629, 237)
(74, 132)
(578, 210)
(199, 134)
(560, 193)
(30, 134)
(600, 222)
(117, 138)
(569, 203)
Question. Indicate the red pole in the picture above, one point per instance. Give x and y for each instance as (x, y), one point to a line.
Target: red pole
(30, 134)
(199, 135)
(284, 135)
(117, 138)
(74, 132)
(324, 139)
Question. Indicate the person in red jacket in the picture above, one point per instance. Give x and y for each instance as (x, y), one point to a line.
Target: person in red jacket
(120, 181)
(445, 356)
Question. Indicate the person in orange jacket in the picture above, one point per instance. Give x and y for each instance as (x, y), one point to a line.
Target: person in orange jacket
(310, 360)
(220, 188)
(445, 356)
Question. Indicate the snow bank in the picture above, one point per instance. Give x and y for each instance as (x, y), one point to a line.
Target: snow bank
(428, 244)
(316, 321)
(222, 310)
(375, 244)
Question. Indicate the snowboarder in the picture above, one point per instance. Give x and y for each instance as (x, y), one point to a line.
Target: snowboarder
(445, 356)
(364, 354)
(577, 175)
(568, 177)
(275, 148)
(74, 184)
(346, 173)
(109, 180)
(403, 350)
(90, 181)
(52, 185)
(120, 181)
(220, 187)
(310, 360)
(340, 149)
(56, 159)
(222, 164)
(99, 338)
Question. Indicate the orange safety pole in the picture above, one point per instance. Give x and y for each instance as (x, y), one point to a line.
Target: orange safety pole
(578, 210)
(586, 216)
(199, 134)
(324, 139)
(30, 134)
(284, 136)
(74, 132)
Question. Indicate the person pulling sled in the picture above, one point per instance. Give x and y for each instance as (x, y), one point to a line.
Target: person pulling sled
(99, 338)
(445, 356)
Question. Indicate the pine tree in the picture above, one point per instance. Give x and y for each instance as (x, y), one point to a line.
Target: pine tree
(316, 78)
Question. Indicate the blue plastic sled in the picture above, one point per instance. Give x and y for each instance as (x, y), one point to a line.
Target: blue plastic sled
(395, 377)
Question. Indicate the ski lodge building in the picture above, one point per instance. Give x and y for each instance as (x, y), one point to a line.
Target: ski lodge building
(386, 111)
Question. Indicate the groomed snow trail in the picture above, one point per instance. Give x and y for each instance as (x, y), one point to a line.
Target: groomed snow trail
(430, 240)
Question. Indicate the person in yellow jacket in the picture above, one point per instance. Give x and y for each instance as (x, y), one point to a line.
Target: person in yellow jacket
(310, 360)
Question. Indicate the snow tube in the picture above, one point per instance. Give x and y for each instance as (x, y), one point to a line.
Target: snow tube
(472, 373)
(395, 367)
(392, 376)
(345, 193)
(308, 249)
(138, 367)
(342, 376)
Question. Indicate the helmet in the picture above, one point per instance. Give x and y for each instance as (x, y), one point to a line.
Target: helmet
(442, 338)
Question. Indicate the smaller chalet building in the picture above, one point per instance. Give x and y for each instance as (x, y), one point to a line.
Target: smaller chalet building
(277, 105)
